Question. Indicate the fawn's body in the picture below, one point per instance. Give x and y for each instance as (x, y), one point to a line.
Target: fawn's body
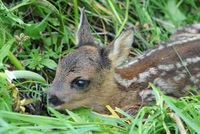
(90, 76)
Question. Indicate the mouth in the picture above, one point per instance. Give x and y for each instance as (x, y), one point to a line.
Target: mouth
(70, 105)
(66, 106)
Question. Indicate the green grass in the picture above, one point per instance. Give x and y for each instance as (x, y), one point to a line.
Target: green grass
(36, 33)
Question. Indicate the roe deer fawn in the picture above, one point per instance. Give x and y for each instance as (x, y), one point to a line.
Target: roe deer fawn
(90, 76)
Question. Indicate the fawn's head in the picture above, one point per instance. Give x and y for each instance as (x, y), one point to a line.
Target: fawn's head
(84, 78)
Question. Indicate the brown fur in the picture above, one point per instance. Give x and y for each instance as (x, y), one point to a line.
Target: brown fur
(98, 66)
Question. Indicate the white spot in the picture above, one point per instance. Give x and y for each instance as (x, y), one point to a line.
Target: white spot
(141, 56)
(166, 67)
(143, 76)
(147, 95)
(193, 60)
(153, 70)
(194, 79)
(183, 41)
(124, 82)
(178, 65)
(187, 62)
(161, 47)
(182, 75)
(198, 75)
(163, 74)
(184, 63)
(179, 77)
(184, 71)
(167, 87)
(196, 26)
(152, 51)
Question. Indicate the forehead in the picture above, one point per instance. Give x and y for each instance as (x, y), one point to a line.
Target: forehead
(83, 56)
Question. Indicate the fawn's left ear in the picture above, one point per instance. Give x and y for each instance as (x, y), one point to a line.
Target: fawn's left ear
(120, 48)
(83, 35)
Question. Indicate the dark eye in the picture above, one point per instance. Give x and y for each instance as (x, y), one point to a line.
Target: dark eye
(79, 83)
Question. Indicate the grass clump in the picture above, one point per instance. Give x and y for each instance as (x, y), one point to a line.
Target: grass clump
(168, 116)
(35, 34)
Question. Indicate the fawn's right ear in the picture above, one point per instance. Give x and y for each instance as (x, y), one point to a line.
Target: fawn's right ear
(119, 50)
(83, 35)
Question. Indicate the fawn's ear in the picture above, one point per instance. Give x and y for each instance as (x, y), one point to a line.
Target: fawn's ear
(120, 48)
(83, 35)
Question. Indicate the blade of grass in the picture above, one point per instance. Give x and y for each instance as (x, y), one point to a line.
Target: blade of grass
(188, 121)
(76, 14)
(111, 3)
(23, 74)
(125, 19)
(13, 59)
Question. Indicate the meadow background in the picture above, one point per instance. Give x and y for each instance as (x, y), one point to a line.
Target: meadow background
(34, 34)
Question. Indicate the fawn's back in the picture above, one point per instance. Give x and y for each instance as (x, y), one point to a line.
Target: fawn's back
(174, 67)
(91, 77)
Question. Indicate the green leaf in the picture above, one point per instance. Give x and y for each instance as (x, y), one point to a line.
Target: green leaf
(35, 30)
(174, 13)
(5, 97)
(7, 16)
(4, 51)
(49, 63)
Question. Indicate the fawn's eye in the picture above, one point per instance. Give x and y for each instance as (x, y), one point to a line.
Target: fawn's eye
(79, 83)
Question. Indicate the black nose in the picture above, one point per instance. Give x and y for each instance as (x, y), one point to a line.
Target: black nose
(55, 100)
